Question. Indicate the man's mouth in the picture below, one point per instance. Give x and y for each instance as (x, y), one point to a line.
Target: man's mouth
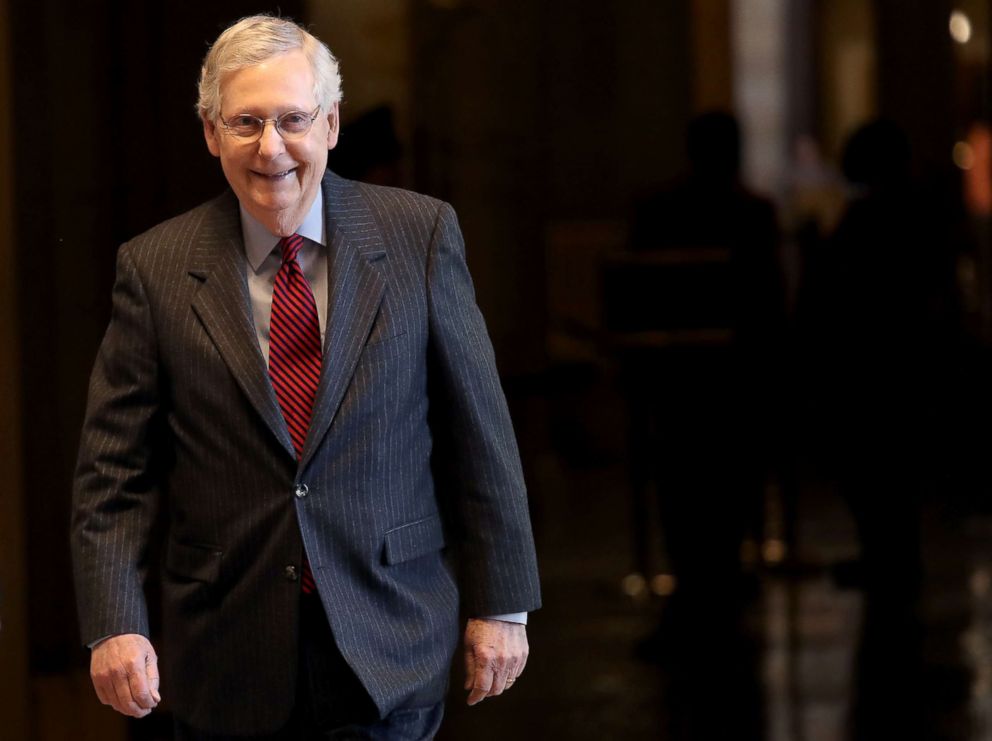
(275, 176)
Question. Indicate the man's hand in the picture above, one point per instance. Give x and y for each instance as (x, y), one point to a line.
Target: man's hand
(495, 655)
(124, 669)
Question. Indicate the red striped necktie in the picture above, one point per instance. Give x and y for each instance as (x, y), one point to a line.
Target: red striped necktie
(295, 353)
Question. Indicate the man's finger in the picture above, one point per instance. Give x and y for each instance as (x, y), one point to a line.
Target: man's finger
(505, 670)
(469, 667)
(122, 691)
(520, 663)
(499, 683)
(151, 669)
(482, 681)
(137, 679)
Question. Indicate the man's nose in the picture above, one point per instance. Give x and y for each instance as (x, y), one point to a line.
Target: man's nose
(270, 143)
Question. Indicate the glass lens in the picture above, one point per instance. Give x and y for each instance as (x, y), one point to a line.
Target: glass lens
(244, 125)
(294, 123)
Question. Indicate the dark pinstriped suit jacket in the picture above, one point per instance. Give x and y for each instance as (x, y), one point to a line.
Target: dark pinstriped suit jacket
(410, 459)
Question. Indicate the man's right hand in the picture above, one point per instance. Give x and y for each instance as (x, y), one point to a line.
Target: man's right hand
(124, 669)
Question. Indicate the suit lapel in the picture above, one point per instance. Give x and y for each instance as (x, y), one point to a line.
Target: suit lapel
(223, 307)
(355, 289)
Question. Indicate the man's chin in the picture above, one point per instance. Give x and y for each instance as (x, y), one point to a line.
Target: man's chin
(274, 215)
(272, 204)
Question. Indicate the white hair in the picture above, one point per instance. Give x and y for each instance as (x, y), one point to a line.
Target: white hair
(253, 40)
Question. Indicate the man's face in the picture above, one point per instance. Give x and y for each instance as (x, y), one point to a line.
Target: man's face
(274, 179)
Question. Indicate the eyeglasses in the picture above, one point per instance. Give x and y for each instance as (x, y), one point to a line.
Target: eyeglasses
(291, 126)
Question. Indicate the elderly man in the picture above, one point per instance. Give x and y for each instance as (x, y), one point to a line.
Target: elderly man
(297, 378)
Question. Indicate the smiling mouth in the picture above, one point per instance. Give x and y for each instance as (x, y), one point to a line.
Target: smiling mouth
(275, 176)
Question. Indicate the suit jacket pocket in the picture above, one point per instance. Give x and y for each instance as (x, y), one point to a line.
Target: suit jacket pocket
(384, 335)
(413, 540)
(197, 562)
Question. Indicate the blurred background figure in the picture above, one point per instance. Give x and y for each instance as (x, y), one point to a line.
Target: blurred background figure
(880, 320)
(711, 246)
(696, 314)
(880, 327)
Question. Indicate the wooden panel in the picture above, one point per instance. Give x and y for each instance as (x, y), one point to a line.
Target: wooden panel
(712, 87)
(13, 632)
(13, 638)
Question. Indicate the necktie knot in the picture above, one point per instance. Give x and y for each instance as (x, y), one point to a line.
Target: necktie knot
(290, 247)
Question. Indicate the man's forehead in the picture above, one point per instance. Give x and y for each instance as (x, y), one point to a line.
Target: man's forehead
(280, 80)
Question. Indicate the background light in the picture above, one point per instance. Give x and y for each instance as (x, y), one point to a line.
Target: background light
(960, 27)
(964, 155)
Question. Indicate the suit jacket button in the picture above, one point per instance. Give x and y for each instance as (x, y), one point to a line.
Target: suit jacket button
(291, 573)
(301, 490)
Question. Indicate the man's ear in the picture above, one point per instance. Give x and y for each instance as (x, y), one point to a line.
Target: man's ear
(333, 126)
(212, 136)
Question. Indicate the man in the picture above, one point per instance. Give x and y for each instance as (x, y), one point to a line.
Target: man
(296, 375)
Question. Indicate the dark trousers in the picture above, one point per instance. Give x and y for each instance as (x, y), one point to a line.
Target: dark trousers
(331, 704)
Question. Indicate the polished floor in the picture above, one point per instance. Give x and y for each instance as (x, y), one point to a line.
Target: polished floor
(799, 653)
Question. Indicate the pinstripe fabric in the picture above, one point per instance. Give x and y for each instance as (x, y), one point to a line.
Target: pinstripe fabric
(416, 500)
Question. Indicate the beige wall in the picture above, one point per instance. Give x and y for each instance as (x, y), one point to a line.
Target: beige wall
(759, 36)
(13, 634)
(848, 71)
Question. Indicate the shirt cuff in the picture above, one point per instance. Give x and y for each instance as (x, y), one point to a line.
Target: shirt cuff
(511, 617)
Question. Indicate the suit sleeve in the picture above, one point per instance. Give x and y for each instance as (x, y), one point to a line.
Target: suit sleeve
(476, 462)
(114, 493)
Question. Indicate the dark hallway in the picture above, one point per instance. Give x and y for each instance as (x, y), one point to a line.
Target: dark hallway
(735, 258)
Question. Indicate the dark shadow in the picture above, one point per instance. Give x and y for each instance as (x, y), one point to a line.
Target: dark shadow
(368, 149)
(695, 317)
(879, 320)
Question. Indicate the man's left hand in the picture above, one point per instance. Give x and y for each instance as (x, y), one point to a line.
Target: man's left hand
(495, 655)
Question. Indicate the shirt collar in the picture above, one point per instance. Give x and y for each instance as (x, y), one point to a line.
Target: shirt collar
(259, 241)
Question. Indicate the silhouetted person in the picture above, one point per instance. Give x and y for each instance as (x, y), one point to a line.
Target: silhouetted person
(710, 272)
(879, 310)
(712, 394)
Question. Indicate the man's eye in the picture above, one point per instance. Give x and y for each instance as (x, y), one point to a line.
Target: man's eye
(294, 121)
(242, 122)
